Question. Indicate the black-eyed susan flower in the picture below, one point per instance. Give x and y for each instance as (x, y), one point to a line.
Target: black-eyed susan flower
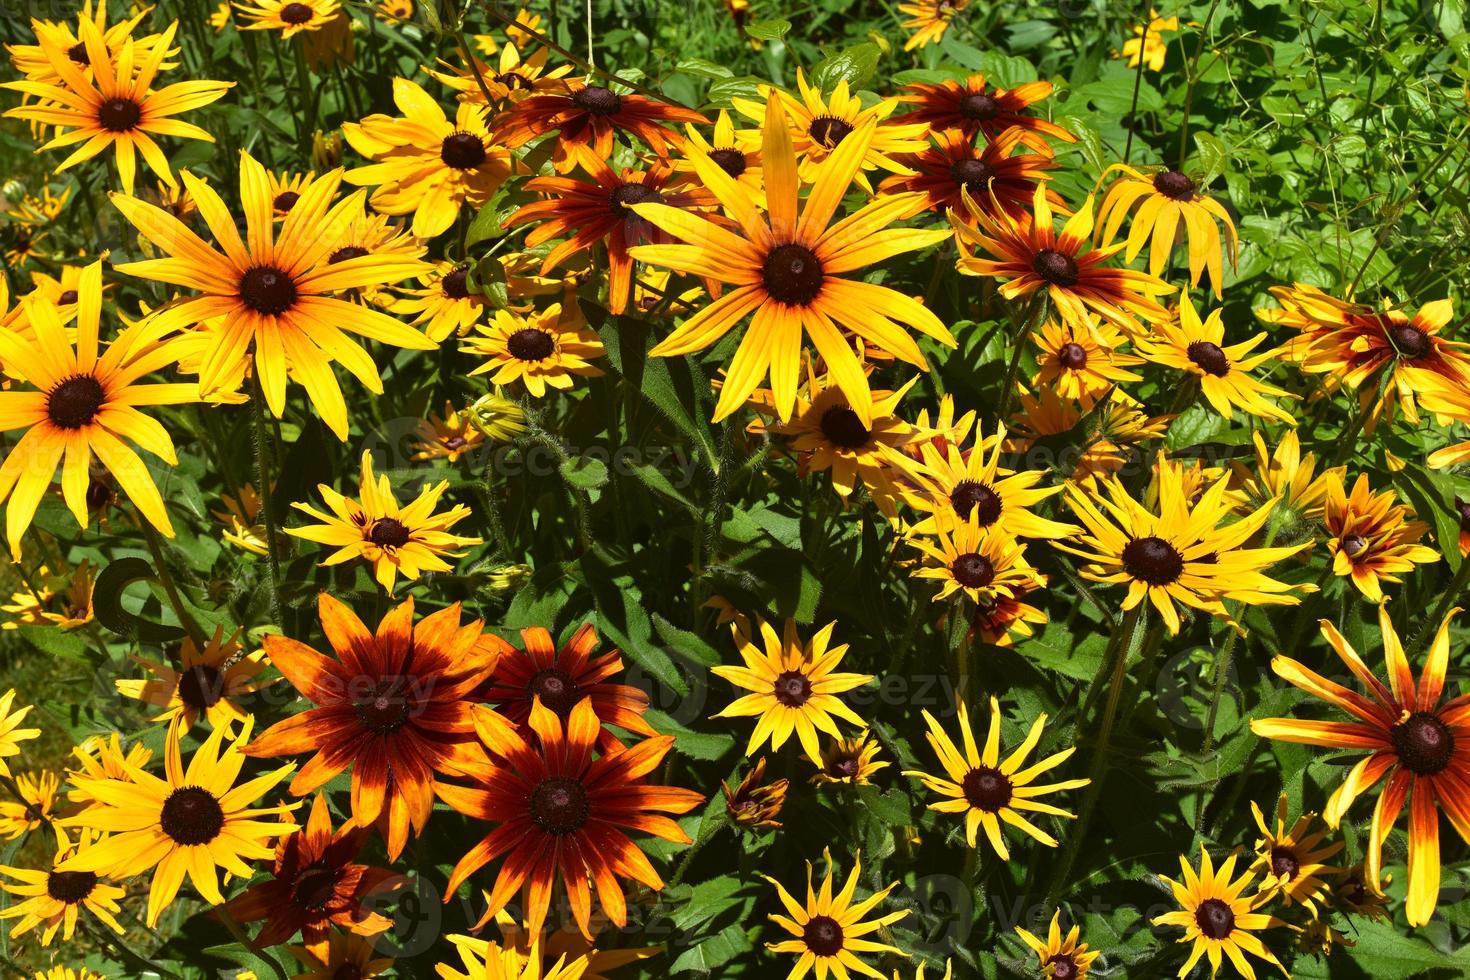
(1352, 895)
(958, 484)
(973, 106)
(447, 437)
(601, 210)
(49, 900)
(786, 270)
(829, 931)
(1177, 551)
(1292, 858)
(1414, 737)
(284, 190)
(406, 540)
(114, 105)
(753, 802)
(560, 814)
(444, 306)
(242, 522)
(275, 298)
(1167, 199)
(553, 944)
(1284, 475)
(104, 758)
(206, 683)
(74, 402)
(513, 77)
(1218, 917)
(63, 601)
(928, 20)
(794, 686)
(1106, 434)
(1223, 373)
(424, 164)
(1062, 957)
(1082, 362)
(848, 761)
(742, 161)
(1031, 257)
(999, 619)
(289, 17)
(37, 798)
(191, 821)
(491, 961)
(1372, 539)
(31, 60)
(1147, 43)
(993, 174)
(818, 124)
(963, 558)
(543, 350)
(342, 955)
(990, 791)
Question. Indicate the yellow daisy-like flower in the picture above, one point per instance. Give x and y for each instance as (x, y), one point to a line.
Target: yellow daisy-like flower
(1107, 434)
(741, 160)
(444, 306)
(206, 683)
(828, 930)
(848, 761)
(512, 79)
(274, 297)
(284, 190)
(64, 601)
(104, 758)
(344, 954)
(990, 791)
(998, 619)
(818, 125)
(67, 973)
(1147, 43)
(1062, 958)
(448, 436)
(983, 564)
(424, 164)
(82, 402)
(1177, 551)
(1285, 476)
(1372, 539)
(1082, 362)
(567, 942)
(496, 417)
(37, 800)
(540, 351)
(410, 540)
(31, 60)
(51, 900)
(114, 105)
(220, 18)
(290, 17)
(1292, 861)
(495, 962)
(786, 270)
(794, 684)
(192, 821)
(1169, 198)
(1218, 918)
(1224, 373)
(241, 518)
(928, 20)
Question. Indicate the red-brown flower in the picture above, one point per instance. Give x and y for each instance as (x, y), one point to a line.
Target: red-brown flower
(585, 118)
(586, 212)
(564, 679)
(974, 107)
(563, 814)
(317, 884)
(954, 164)
(393, 706)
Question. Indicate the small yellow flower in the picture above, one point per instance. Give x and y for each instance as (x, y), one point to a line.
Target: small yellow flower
(540, 351)
(1148, 42)
(37, 800)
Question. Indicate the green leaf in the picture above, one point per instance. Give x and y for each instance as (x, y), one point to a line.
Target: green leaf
(706, 69)
(1214, 158)
(714, 952)
(584, 472)
(856, 66)
(626, 343)
(768, 30)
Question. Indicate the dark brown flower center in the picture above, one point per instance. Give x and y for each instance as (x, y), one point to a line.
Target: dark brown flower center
(267, 290)
(1410, 341)
(979, 106)
(626, 195)
(828, 131)
(201, 687)
(530, 344)
(1284, 863)
(557, 690)
(513, 80)
(822, 935)
(75, 402)
(845, 767)
(78, 53)
(1209, 358)
(315, 886)
(598, 100)
(1173, 184)
(348, 971)
(285, 201)
(456, 284)
(792, 689)
(970, 496)
(346, 252)
(67, 297)
(384, 709)
(973, 174)
(1152, 560)
(1214, 918)
(295, 13)
(973, 571)
(1063, 967)
(1072, 356)
(792, 274)
(843, 428)
(986, 788)
(389, 532)
(99, 493)
(191, 816)
(559, 805)
(462, 151)
(70, 886)
(730, 161)
(456, 442)
(1055, 268)
(1354, 545)
(1424, 743)
(119, 115)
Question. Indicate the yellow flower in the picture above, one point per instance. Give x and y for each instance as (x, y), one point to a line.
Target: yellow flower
(290, 17)
(37, 800)
(205, 683)
(103, 758)
(495, 962)
(445, 306)
(1148, 43)
(1372, 539)
(1218, 918)
(1292, 861)
(496, 418)
(848, 761)
(540, 351)
(64, 601)
(448, 436)
(929, 20)
(220, 19)
(52, 900)
(410, 540)
(1061, 958)
(1284, 476)
(1084, 362)
(829, 929)
(342, 955)
(754, 802)
(1169, 199)
(242, 518)
(985, 565)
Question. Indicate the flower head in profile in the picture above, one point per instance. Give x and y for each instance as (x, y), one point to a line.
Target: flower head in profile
(794, 686)
(753, 802)
(928, 20)
(49, 900)
(1284, 475)
(491, 961)
(63, 601)
(448, 436)
(343, 954)
(828, 931)
(1218, 918)
(1372, 538)
(408, 539)
(1062, 957)
(542, 350)
(1166, 200)
(207, 683)
(999, 620)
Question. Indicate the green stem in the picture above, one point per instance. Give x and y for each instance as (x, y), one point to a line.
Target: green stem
(170, 589)
(1035, 312)
(722, 820)
(1217, 693)
(267, 499)
(1457, 587)
(127, 955)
